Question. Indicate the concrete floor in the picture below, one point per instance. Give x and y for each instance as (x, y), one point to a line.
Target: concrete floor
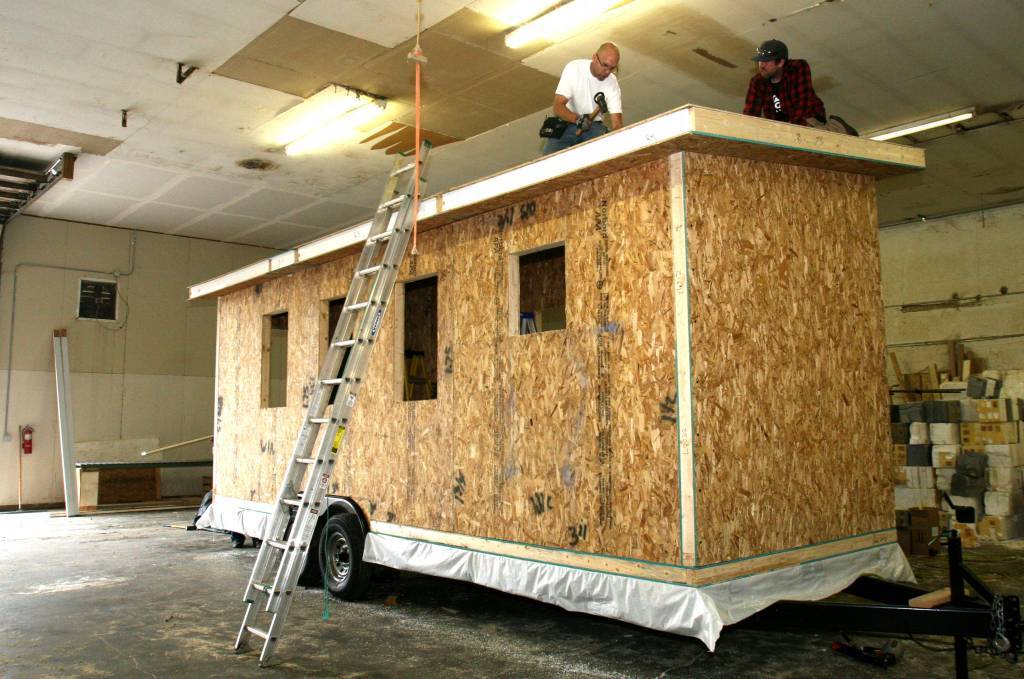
(121, 595)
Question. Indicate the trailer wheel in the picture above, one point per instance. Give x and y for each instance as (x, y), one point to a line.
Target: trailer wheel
(345, 574)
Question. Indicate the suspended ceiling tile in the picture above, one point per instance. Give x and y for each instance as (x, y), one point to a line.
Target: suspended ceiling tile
(94, 208)
(385, 23)
(218, 226)
(267, 204)
(453, 66)
(327, 214)
(299, 58)
(516, 93)
(202, 192)
(483, 31)
(279, 236)
(459, 117)
(42, 134)
(132, 180)
(158, 217)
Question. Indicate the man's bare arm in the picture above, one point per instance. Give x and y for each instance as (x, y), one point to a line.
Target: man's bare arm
(616, 121)
(562, 111)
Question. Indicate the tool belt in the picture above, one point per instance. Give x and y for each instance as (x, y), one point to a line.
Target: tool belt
(553, 127)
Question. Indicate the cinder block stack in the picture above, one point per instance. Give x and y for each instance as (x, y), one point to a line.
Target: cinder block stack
(971, 449)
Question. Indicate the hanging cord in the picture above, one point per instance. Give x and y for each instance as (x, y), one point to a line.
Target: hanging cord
(419, 58)
(326, 615)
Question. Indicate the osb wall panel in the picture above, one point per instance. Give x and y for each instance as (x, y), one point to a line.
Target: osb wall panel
(787, 354)
(557, 438)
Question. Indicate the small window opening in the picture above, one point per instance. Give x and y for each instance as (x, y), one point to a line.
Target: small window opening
(334, 308)
(541, 279)
(420, 340)
(274, 386)
(97, 300)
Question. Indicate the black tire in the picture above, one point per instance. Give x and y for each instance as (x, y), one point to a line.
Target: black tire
(345, 574)
(237, 540)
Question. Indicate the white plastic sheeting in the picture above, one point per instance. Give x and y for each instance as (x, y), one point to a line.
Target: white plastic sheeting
(239, 516)
(699, 612)
(682, 609)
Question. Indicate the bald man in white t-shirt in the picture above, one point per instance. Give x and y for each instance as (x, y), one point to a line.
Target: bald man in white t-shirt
(581, 80)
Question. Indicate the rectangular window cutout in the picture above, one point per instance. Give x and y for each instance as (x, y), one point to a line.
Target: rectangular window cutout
(334, 308)
(274, 371)
(420, 340)
(97, 300)
(541, 300)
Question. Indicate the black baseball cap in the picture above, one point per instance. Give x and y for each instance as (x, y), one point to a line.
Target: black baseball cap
(771, 50)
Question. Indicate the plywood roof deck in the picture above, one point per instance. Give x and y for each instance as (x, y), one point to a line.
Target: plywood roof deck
(687, 128)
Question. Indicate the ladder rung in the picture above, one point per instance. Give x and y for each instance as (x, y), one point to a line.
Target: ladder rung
(357, 306)
(261, 633)
(391, 203)
(319, 420)
(289, 501)
(260, 587)
(333, 381)
(379, 237)
(305, 460)
(404, 168)
(369, 271)
(277, 544)
(341, 344)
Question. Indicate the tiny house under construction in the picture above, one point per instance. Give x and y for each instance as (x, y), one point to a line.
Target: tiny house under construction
(641, 378)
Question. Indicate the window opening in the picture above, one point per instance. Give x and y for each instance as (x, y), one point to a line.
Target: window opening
(274, 386)
(541, 279)
(420, 339)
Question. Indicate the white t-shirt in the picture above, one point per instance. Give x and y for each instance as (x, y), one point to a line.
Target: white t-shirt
(579, 86)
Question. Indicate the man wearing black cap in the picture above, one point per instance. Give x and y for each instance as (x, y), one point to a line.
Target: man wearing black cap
(782, 90)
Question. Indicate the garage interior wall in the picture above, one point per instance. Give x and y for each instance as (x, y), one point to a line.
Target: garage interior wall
(976, 253)
(149, 374)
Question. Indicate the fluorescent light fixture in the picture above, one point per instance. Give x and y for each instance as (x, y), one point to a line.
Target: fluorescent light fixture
(559, 22)
(331, 115)
(923, 124)
(337, 129)
(514, 12)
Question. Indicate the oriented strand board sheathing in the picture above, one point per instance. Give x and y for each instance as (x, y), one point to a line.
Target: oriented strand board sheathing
(787, 355)
(512, 447)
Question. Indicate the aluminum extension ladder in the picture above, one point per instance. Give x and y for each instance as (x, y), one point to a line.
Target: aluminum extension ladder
(282, 555)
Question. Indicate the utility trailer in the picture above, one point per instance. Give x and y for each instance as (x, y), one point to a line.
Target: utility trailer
(641, 378)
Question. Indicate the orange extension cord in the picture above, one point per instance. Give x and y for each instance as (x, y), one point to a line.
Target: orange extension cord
(417, 56)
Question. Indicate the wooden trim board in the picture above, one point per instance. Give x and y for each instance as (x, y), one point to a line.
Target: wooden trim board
(688, 127)
(683, 575)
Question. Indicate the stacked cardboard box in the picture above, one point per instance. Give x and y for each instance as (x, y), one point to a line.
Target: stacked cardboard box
(971, 449)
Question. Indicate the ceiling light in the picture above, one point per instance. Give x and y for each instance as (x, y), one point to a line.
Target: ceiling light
(336, 107)
(338, 129)
(923, 124)
(515, 13)
(559, 21)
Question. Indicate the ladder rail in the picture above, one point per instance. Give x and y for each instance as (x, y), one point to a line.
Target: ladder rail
(287, 539)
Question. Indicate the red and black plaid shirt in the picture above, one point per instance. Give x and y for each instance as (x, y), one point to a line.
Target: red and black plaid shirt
(799, 101)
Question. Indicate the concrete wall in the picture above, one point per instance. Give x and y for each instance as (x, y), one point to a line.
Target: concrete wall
(973, 254)
(147, 374)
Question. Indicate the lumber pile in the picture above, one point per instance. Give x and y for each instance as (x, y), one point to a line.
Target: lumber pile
(970, 447)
